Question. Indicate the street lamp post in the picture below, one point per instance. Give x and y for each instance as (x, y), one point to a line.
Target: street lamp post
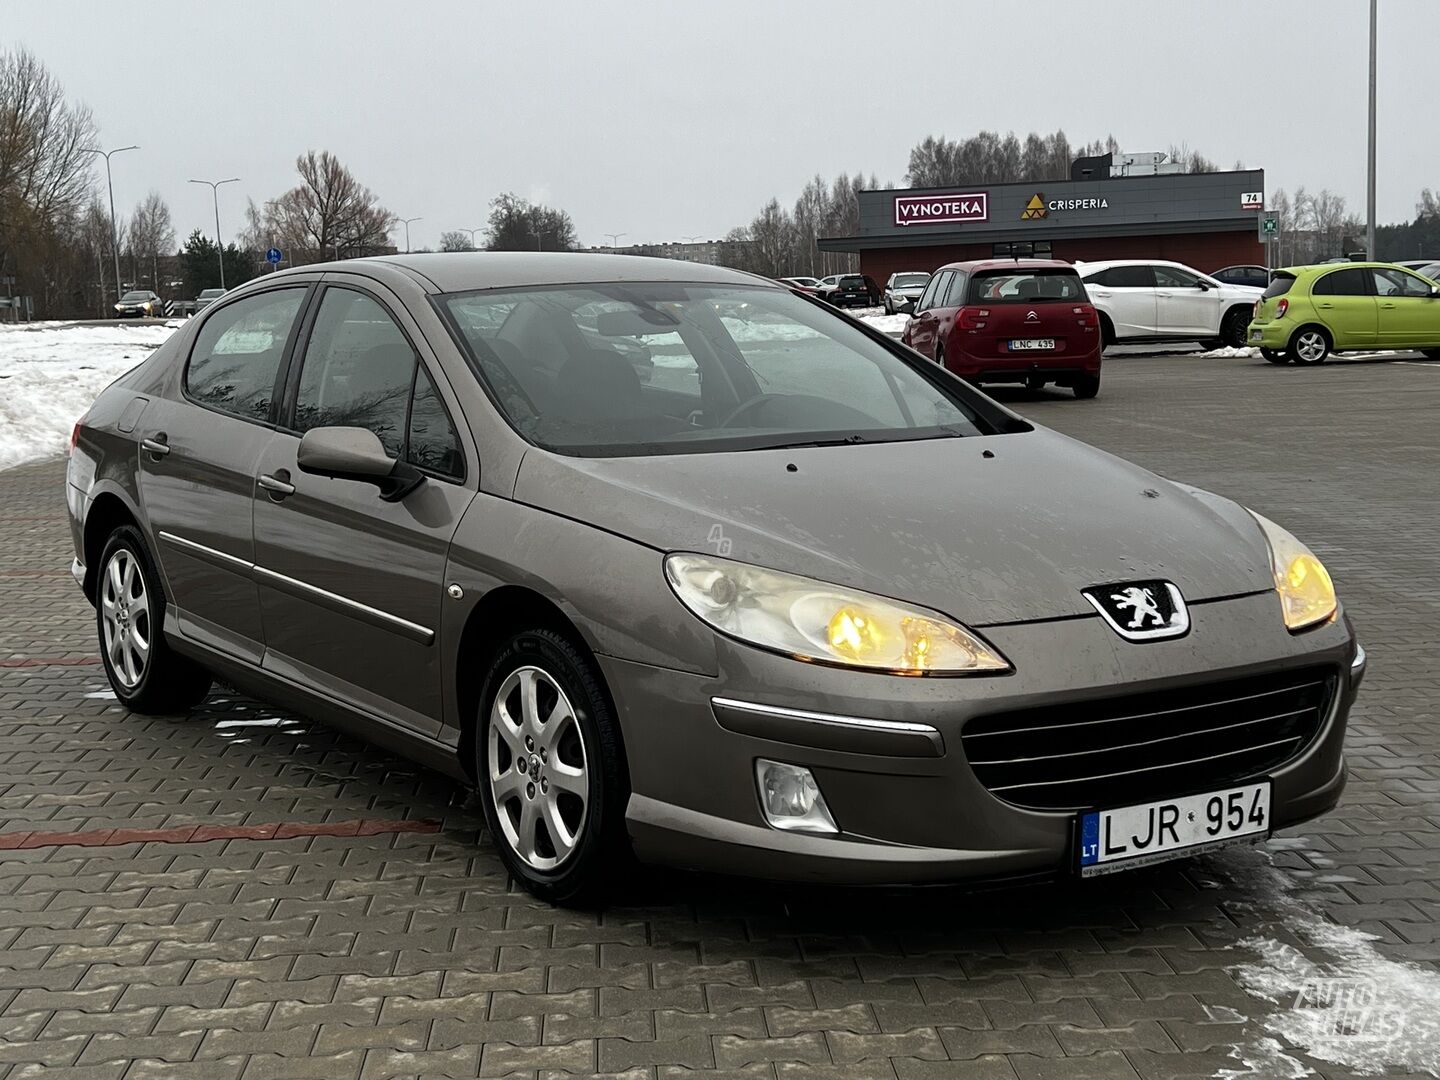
(406, 222)
(1370, 158)
(614, 238)
(692, 239)
(215, 198)
(114, 235)
(472, 233)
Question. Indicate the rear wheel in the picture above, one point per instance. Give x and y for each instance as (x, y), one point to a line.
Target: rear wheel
(1211, 344)
(1308, 345)
(1107, 331)
(145, 673)
(1086, 386)
(551, 769)
(1235, 326)
(1275, 356)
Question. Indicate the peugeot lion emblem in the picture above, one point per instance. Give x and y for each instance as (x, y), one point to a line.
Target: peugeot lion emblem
(1141, 610)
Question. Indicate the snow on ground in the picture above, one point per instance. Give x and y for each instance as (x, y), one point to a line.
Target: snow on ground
(1339, 999)
(51, 372)
(1226, 353)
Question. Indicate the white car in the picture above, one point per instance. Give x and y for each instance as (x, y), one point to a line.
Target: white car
(1150, 300)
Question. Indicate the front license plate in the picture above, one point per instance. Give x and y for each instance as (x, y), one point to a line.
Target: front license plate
(1020, 344)
(1131, 836)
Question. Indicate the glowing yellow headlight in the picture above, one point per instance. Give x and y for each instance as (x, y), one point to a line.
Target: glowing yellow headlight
(811, 620)
(1307, 595)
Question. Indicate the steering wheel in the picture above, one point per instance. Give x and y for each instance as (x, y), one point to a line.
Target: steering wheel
(747, 406)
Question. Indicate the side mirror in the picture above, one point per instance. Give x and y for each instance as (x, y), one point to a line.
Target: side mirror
(354, 453)
(1203, 286)
(1435, 290)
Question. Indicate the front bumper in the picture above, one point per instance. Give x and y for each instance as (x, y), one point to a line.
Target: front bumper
(908, 805)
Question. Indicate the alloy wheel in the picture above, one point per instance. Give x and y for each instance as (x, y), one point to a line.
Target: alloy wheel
(538, 776)
(1310, 346)
(125, 611)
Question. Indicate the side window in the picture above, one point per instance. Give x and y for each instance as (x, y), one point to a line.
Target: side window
(357, 371)
(236, 357)
(1130, 277)
(433, 443)
(1170, 277)
(955, 294)
(942, 288)
(927, 298)
(1341, 283)
(1398, 283)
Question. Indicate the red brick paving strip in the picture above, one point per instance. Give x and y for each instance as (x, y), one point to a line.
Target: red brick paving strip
(49, 661)
(198, 834)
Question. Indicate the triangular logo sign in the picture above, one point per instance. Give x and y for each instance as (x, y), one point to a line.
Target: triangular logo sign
(1034, 209)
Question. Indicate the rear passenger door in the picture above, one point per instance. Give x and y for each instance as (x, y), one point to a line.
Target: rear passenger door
(1127, 295)
(198, 456)
(1344, 302)
(351, 586)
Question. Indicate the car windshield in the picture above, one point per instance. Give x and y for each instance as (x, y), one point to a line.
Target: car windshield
(910, 281)
(663, 368)
(1024, 286)
(135, 296)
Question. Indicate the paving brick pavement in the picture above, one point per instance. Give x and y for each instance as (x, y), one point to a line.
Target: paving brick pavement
(409, 954)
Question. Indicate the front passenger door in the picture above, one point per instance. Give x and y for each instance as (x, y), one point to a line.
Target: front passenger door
(1182, 306)
(1409, 316)
(351, 586)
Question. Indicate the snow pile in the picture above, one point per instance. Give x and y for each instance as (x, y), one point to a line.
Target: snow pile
(1227, 353)
(51, 372)
(1357, 1008)
(894, 325)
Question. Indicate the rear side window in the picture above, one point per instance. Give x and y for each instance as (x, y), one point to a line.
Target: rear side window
(1025, 286)
(236, 358)
(1124, 277)
(1279, 285)
(939, 289)
(955, 294)
(1341, 283)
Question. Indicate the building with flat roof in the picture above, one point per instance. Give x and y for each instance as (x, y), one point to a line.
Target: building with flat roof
(1207, 220)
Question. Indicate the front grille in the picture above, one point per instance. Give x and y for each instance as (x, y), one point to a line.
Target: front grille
(1142, 747)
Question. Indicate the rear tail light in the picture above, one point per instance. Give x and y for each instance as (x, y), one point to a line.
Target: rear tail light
(75, 433)
(1085, 316)
(1281, 306)
(973, 318)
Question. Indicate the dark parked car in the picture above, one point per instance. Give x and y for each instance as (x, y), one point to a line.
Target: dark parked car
(805, 605)
(902, 290)
(139, 304)
(1002, 320)
(1257, 276)
(206, 298)
(852, 290)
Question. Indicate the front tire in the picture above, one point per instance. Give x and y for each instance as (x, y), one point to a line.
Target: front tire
(1086, 386)
(551, 769)
(1234, 327)
(1275, 356)
(1308, 345)
(145, 673)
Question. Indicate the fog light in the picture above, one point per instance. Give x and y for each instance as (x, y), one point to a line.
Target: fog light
(791, 799)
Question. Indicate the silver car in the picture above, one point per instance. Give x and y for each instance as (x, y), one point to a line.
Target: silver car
(902, 290)
(799, 605)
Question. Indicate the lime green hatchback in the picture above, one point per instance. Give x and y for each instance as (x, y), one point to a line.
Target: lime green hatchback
(1308, 312)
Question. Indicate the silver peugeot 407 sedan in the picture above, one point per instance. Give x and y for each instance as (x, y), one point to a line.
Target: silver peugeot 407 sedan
(676, 564)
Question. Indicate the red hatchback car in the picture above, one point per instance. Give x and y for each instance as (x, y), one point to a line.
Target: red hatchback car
(1010, 320)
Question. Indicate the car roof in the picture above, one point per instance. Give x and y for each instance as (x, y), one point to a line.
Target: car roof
(1320, 268)
(974, 265)
(461, 271)
(1104, 264)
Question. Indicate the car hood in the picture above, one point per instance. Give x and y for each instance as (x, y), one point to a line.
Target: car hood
(1249, 293)
(987, 540)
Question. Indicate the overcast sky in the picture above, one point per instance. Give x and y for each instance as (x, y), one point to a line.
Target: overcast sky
(662, 120)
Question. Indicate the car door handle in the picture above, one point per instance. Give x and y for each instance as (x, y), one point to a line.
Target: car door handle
(1102, 295)
(1387, 304)
(1325, 305)
(157, 447)
(277, 484)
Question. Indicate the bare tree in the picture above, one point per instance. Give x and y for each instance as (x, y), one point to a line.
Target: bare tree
(327, 213)
(151, 233)
(456, 240)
